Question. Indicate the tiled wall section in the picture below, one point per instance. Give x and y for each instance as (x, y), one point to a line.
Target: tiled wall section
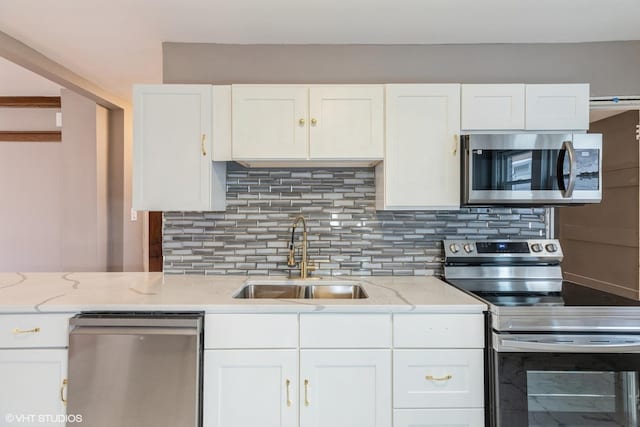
(346, 233)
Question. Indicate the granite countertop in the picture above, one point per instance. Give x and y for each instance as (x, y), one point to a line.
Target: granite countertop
(73, 292)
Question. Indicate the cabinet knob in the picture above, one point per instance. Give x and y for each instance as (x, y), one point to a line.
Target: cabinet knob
(301, 122)
(432, 378)
(455, 144)
(314, 122)
(288, 384)
(306, 393)
(26, 331)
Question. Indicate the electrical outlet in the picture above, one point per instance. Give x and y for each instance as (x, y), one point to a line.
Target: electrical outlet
(59, 120)
(134, 215)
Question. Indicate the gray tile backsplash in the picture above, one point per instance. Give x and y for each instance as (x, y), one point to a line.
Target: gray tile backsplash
(346, 234)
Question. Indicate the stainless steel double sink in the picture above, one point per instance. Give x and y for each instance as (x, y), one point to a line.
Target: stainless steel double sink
(301, 289)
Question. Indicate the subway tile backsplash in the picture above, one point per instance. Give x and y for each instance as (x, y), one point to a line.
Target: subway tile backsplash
(346, 234)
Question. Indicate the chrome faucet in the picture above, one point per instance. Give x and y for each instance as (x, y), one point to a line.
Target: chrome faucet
(305, 265)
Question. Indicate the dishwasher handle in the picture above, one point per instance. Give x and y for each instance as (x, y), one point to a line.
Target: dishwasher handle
(141, 321)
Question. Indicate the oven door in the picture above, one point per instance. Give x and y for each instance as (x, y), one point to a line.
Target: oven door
(543, 169)
(564, 380)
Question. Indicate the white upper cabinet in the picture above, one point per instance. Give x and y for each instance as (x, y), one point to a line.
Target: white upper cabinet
(557, 107)
(270, 122)
(531, 107)
(173, 167)
(493, 106)
(421, 169)
(346, 122)
(301, 123)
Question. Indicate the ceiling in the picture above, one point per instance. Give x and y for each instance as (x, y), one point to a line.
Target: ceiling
(18, 81)
(116, 43)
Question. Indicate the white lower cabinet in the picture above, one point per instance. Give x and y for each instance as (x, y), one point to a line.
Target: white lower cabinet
(251, 388)
(345, 388)
(33, 386)
(343, 370)
(473, 417)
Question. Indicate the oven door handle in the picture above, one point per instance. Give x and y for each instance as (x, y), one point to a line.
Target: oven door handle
(563, 347)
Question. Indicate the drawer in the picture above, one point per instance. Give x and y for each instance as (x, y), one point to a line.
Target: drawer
(345, 330)
(438, 378)
(438, 331)
(34, 330)
(251, 331)
(468, 417)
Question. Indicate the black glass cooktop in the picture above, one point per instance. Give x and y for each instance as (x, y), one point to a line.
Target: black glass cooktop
(572, 295)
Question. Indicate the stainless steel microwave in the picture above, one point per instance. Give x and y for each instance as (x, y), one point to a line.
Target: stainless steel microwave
(531, 169)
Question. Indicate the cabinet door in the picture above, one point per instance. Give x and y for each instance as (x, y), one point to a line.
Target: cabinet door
(345, 388)
(347, 122)
(172, 147)
(270, 122)
(422, 158)
(468, 417)
(493, 107)
(250, 388)
(558, 107)
(32, 383)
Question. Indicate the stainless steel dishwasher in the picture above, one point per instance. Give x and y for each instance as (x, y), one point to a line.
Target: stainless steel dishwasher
(136, 369)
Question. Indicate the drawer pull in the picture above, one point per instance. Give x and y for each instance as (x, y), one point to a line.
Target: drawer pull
(432, 378)
(62, 387)
(26, 331)
(288, 383)
(306, 393)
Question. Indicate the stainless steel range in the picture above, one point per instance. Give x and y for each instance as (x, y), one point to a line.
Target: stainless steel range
(558, 354)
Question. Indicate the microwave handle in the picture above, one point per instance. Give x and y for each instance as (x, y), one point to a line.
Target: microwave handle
(567, 147)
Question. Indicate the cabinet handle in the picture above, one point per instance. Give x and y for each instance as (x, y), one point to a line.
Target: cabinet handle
(26, 331)
(204, 148)
(432, 378)
(62, 387)
(455, 143)
(314, 122)
(288, 383)
(301, 122)
(306, 393)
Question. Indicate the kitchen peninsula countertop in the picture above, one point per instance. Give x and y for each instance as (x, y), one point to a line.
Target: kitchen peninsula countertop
(73, 292)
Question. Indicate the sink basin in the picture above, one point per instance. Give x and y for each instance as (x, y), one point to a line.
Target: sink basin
(301, 289)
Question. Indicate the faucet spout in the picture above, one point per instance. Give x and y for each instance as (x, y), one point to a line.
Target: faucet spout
(305, 266)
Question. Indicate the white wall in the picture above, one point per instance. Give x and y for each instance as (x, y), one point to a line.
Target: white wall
(30, 209)
(53, 210)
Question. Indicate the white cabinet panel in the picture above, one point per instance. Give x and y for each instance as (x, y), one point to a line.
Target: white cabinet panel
(234, 331)
(557, 107)
(473, 417)
(438, 378)
(421, 169)
(270, 122)
(438, 331)
(347, 122)
(33, 383)
(172, 148)
(493, 106)
(345, 388)
(250, 388)
(345, 330)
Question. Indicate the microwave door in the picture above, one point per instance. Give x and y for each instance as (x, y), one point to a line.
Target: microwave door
(530, 169)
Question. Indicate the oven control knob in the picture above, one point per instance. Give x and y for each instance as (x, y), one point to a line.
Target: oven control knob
(468, 247)
(454, 248)
(536, 247)
(550, 247)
